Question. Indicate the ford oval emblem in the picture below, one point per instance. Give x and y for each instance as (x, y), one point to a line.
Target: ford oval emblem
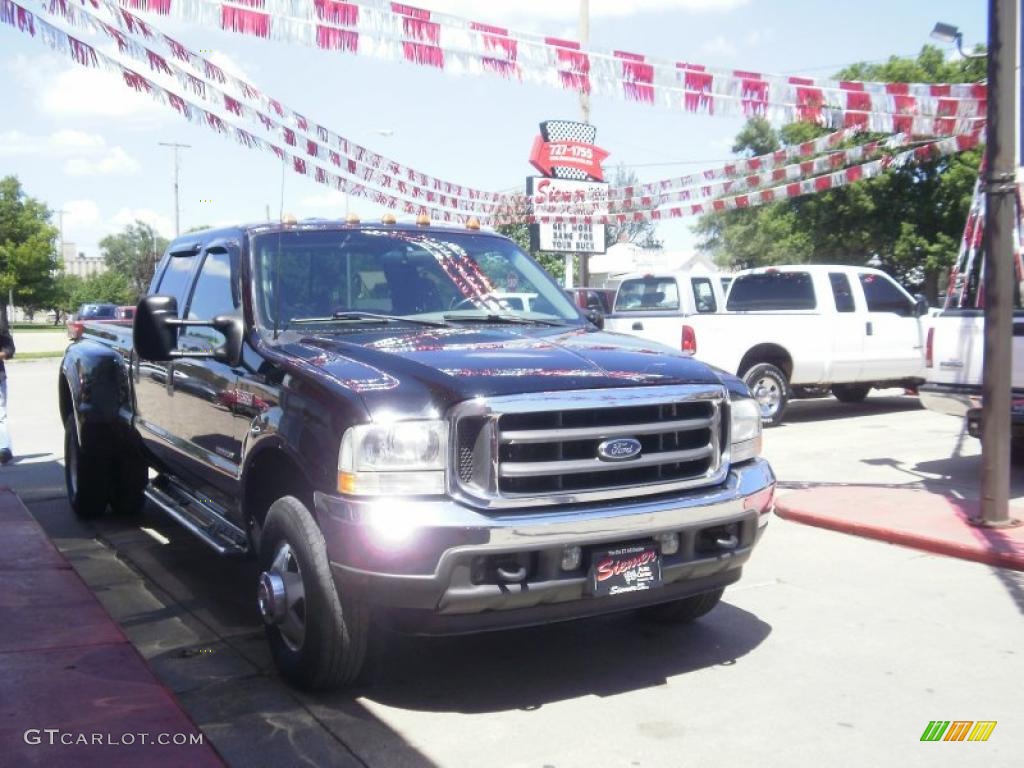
(619, 449)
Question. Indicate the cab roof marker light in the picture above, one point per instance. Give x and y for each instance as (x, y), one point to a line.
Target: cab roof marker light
(388, 218)
(352, 218)
(473, 223)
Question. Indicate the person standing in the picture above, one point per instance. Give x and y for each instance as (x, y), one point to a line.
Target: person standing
(6, 353)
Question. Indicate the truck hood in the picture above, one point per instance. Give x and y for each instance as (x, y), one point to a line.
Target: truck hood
(424, 371)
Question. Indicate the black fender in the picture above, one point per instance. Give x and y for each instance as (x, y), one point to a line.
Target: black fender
(94, 387)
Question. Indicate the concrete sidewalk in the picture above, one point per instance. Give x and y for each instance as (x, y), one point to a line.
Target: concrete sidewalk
(66, 666)
(932, 522)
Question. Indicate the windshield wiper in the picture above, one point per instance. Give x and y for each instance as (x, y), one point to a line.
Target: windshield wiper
(340, 317)
(501, 318)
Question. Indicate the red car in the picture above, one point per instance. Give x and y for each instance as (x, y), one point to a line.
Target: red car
(89, 312)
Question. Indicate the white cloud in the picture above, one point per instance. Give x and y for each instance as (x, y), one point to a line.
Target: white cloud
(68, 92)
(80, 215)
(157, 221)
(87, 154)
(718, 46)
(114, 162)
(562, 10)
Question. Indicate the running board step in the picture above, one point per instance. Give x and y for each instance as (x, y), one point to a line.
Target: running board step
(199, 516)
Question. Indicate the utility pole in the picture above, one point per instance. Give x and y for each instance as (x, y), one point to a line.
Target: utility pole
(177, 207)
(1000, 218)
(584, 36)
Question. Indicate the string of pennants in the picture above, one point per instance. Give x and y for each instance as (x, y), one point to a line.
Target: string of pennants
(184, 104)
(391, 30)
(966, 288)
(143, 42)
(779, 193)
(232, 106)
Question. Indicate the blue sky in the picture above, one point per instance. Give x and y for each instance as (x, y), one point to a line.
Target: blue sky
(82, 142)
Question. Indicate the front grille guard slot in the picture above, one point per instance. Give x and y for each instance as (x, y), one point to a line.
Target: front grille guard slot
(476, 466)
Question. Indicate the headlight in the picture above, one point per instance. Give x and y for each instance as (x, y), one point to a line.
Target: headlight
(745, 429)
(398, 459)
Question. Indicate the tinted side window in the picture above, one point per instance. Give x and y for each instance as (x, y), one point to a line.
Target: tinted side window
(174, 281)
(647, 294)
(882, 295)
(772, 290)
(703, 295)
(212, 295)
(841, 292)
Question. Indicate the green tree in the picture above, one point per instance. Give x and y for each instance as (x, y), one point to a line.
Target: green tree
(108, 287)
(519, 233)
(28, 257)
(642, 233)
(910, 218)
(134, 254)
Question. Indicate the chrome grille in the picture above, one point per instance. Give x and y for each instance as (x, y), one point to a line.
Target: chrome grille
(543, 448)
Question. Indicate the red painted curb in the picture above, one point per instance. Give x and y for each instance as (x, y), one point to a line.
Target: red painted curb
(911, 518)
(66, 665)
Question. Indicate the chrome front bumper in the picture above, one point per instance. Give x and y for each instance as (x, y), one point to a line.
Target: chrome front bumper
(418, 555)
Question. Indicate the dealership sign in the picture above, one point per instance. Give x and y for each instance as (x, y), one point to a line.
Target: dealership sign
(572, 186)
(570, 199)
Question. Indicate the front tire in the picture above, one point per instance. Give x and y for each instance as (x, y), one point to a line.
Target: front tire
(770, 388)
(683, 611)
(317, 637)
(851, 393)
(86, 472)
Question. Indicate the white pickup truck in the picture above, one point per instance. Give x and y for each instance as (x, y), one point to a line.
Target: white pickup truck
(954, 357)
(788, 331)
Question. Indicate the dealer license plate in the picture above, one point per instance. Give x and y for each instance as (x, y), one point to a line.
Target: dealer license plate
(628, 568)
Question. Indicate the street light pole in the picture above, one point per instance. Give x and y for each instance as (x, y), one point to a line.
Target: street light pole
(1000, 216)
(177, 208)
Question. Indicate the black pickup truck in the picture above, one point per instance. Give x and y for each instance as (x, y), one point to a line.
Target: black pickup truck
(411, 426)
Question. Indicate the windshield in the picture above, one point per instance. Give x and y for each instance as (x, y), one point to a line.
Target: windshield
(96, 311)
(647, 294)
(337, 275)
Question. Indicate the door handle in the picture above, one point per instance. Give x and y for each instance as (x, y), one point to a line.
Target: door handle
(638, 326)
(869, 328)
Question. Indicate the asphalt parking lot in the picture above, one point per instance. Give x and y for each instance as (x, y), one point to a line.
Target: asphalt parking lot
(832, 650)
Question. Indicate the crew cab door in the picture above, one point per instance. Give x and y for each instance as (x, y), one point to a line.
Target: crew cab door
(207, 420)
(893, 340)
(154, 402)
(848, 330)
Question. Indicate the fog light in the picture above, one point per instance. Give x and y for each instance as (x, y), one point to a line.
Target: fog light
(571, 558)
(669, 543)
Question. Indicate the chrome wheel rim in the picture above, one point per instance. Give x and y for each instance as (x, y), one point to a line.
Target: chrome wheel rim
(768, 394)
(281, 596)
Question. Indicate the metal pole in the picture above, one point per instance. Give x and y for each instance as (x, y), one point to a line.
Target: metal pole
(584, 35)
(177, 209)
(1001, 210)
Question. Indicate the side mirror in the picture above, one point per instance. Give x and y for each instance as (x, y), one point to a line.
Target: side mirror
(921, 305)
(154, 333)
(595, 316)
(230, 326)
